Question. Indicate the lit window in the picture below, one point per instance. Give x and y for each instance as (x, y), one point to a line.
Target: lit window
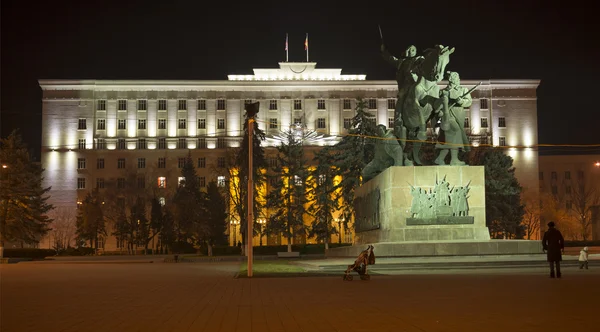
(297, 180)
(273, 123)
(221, 181)
(162, 143)
(347, 104)
(162, 201)
(321, 104)
(182, 105)
(391, 104)
(162, 105)
(101, 105)
(162, 182)
(372, 104)
(221, 105)
(501, 122)
(273, 105)
(321, 123)
(122, 105)
(181, 181)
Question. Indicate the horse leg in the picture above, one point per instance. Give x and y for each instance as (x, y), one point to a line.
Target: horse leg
(440, 160)
(421, 136)
(454, 158)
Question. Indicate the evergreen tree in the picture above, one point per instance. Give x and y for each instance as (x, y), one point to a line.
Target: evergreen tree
(504, 211)
(323, 203)
(238, 177)
(351, 155)
(168, 235)
(90, 219)
(216, 215)
(23, 204)
(287, 199)
(189, 206)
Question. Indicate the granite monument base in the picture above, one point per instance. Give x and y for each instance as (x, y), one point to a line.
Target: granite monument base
(442, 248)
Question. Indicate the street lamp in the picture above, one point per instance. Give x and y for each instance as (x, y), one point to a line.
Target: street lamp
(234, 222)
(262, 222)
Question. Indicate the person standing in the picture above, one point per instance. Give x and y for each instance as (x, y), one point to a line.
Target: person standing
(583, 258)
(554, 245)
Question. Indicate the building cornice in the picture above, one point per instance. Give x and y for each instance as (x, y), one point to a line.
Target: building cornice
(223, 85)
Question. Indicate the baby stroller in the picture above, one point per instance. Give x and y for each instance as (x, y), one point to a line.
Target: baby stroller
(367, 257)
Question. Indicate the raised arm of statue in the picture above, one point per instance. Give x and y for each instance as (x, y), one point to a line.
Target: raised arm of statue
(389, 57)
(465, 100)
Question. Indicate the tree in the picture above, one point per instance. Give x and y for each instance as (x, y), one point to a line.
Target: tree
(322, 202)
(216, 216)
(237, 193)
(189, 207)
(287, 199)
(23, 204)
(63, 228)
(585, 198)
(90, 219)
(532, 217)
(351, 155)
(504, 211)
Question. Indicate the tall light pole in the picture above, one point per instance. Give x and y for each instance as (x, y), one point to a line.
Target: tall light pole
(251, 110)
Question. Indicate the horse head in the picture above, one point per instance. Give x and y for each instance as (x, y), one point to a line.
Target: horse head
(435, 61)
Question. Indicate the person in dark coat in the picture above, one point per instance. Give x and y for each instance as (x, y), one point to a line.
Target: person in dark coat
(554, 245)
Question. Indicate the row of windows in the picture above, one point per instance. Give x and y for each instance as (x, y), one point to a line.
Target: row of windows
(142, 105)
(141, 163)
(142, 143)
(554, 175)
(142, 124)
(141, 182)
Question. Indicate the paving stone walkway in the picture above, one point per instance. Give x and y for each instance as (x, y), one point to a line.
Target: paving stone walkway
(206, 297)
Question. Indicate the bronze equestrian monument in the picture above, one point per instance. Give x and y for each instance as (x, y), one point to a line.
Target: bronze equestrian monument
(405, 208)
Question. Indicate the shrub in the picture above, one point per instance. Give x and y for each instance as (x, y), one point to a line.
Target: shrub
(33, 253)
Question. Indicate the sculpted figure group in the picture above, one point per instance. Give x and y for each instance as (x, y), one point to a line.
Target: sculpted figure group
(420, 101)
(426, 204)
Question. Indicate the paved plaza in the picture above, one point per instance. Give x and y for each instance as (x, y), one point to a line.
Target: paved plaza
(130, 296)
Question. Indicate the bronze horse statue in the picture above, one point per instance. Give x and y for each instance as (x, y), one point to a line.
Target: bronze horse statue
(421, 99)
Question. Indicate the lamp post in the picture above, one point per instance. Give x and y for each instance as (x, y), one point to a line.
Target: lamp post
(6, 201)
(234, 222)
(262, 222)
(251, 110)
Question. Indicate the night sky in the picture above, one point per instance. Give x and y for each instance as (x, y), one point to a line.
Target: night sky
(193, 40)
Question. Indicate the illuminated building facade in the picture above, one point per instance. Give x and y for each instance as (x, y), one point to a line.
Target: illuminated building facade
(94, 129)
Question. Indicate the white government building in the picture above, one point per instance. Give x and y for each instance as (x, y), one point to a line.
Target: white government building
(93, 129)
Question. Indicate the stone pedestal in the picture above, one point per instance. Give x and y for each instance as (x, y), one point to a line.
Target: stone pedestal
(390, 226)
(391, 191)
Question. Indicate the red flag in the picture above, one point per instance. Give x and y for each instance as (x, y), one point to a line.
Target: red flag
(306, 43)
